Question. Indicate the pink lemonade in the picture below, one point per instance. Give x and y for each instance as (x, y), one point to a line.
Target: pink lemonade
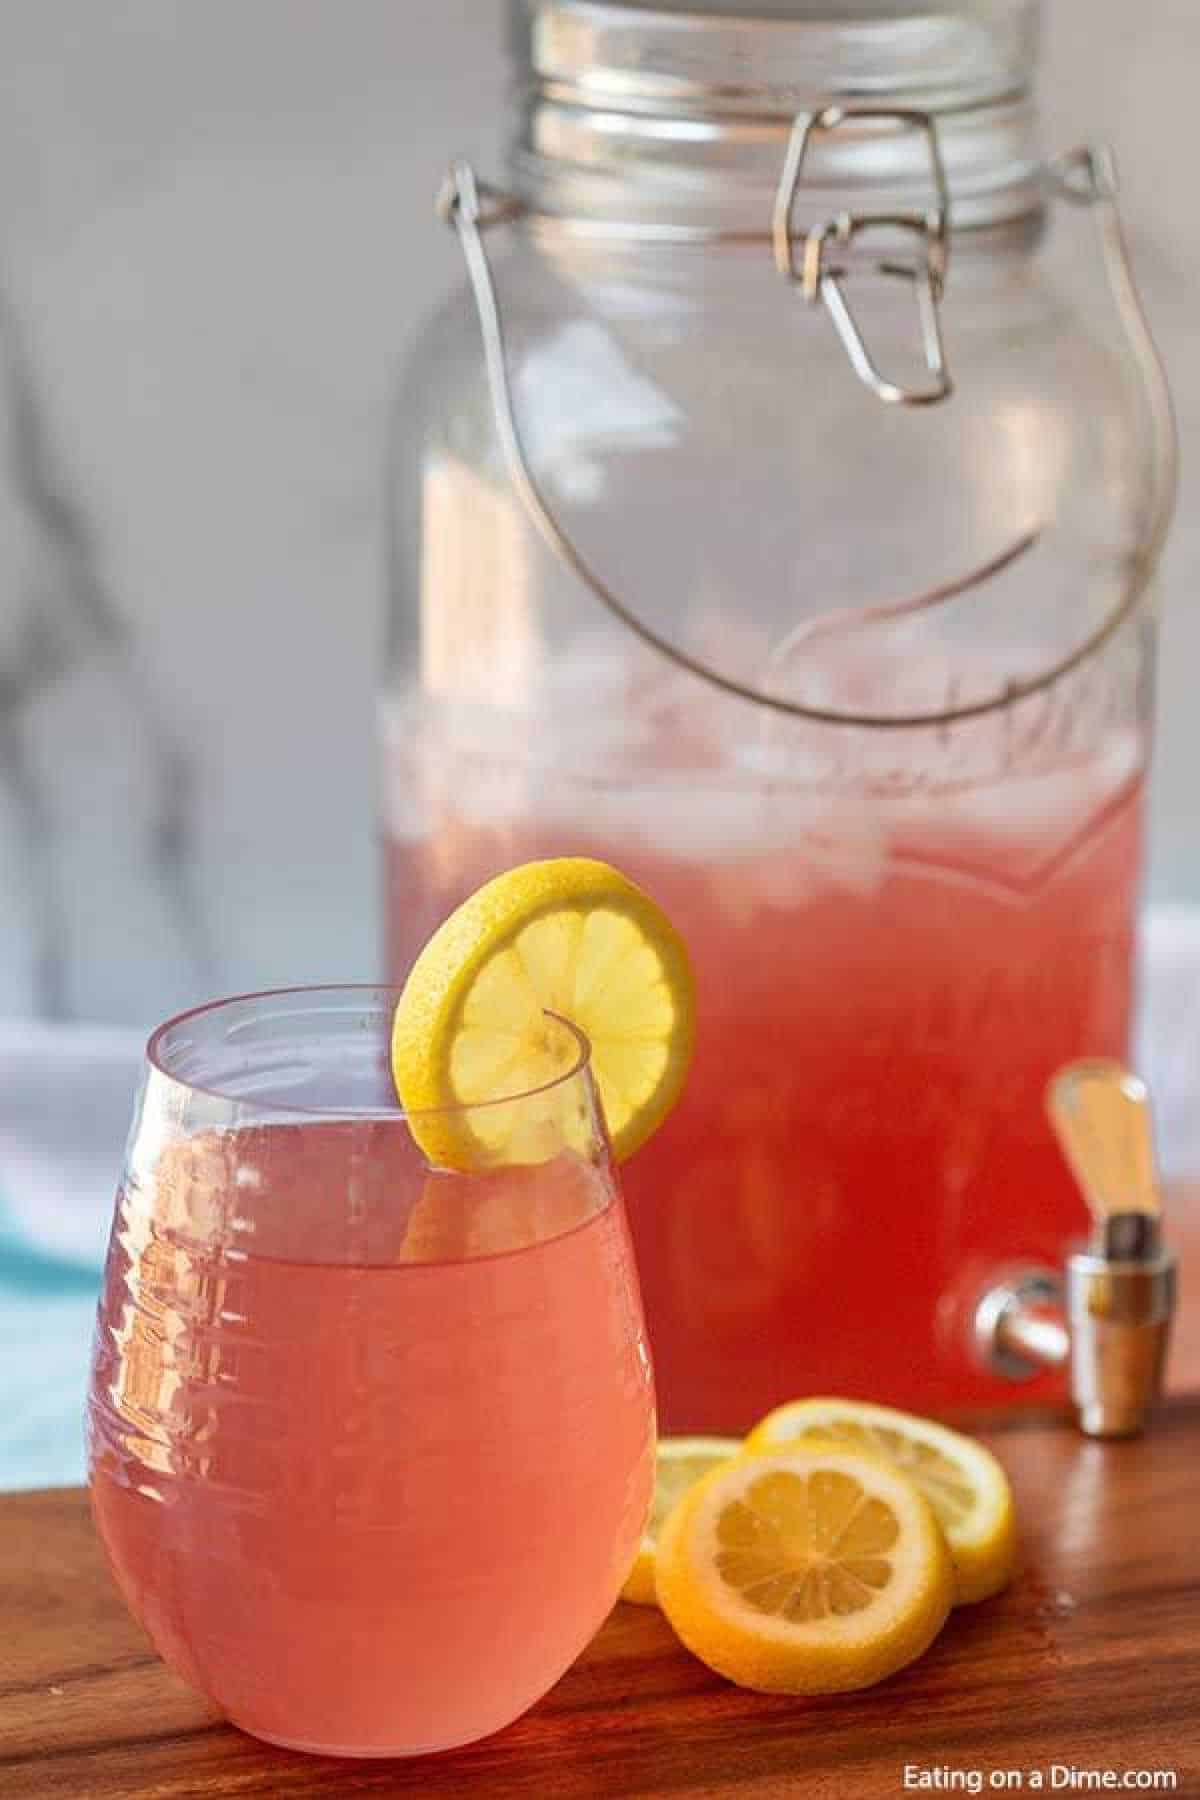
(862, 1141)
(369, 1505)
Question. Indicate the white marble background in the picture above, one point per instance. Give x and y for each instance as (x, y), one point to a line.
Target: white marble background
(215, 237)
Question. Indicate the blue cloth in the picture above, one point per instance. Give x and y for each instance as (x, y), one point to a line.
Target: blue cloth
(66, 1097)
(47, 1310)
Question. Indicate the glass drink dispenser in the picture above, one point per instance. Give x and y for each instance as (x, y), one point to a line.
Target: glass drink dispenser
(774, 513)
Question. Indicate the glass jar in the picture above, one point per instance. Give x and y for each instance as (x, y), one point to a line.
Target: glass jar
(774, 512)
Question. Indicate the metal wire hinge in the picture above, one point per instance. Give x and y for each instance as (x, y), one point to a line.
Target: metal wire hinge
(1084, 175)
(821, 278)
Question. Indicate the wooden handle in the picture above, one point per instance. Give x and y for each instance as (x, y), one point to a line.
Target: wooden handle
(1101, 1115)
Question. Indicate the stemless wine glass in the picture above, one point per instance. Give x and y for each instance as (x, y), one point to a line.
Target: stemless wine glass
(370, 1442)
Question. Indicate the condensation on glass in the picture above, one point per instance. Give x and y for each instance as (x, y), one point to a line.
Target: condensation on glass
(774, 512)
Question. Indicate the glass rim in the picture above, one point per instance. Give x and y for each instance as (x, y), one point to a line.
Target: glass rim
(159, 1063)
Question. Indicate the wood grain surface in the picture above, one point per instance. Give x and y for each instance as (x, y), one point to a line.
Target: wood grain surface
(1092, 1660)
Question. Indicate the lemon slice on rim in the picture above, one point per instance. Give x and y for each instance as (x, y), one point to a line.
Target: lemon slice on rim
(478, 1021)
(965, 1485)
(679, 1463)
(806, 1571)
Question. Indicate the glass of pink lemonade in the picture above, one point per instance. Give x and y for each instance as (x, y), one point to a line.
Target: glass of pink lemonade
(371, 1444)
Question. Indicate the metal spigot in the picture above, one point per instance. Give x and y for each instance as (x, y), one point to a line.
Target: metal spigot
(1109, 1319)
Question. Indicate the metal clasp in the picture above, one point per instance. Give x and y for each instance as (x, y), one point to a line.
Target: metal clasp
(471, 207)
(820, 278)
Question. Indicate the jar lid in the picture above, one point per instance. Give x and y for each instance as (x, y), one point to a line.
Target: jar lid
(678, 113)
(767, 57)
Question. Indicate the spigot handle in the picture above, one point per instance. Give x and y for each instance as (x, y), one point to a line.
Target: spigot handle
(1100, 1113)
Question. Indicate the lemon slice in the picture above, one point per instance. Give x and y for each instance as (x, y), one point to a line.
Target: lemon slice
(965, 1485)
(806, 1571)
(679, 1463)
(475, 1023)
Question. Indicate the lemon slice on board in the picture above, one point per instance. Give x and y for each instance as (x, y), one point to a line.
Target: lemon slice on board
(965, 1485)
(806, 1571)
(679, 1463)
(474, 1024)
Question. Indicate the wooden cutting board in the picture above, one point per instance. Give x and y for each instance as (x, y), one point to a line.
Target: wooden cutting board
(1091, 1661)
